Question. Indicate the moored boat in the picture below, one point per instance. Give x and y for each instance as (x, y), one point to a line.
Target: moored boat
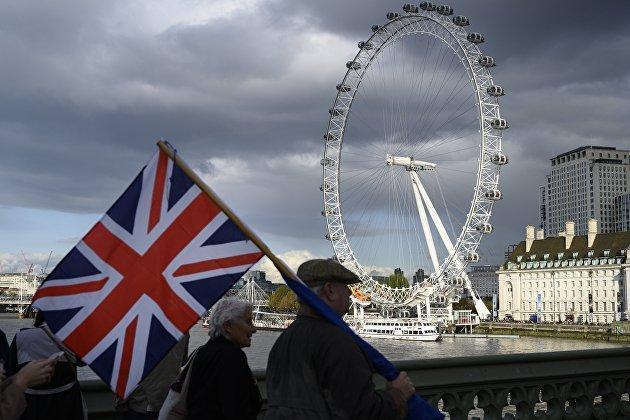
(410, 329)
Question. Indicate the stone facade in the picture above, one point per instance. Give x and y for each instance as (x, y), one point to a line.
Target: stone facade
(578, 278)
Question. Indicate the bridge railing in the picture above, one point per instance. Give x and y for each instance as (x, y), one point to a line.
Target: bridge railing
(591, 384)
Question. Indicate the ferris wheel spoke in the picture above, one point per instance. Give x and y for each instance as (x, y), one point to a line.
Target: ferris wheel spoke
(428, 129)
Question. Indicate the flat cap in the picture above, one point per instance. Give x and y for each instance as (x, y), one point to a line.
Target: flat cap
(314, 272)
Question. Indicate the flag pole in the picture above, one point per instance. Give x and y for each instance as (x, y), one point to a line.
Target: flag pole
(280, 264)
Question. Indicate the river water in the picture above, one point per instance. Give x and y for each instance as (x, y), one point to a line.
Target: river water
(262, 342)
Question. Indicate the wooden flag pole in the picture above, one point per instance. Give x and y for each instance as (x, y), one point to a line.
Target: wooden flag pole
(280, 265)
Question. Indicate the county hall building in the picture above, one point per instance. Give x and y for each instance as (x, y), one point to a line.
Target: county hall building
(568, 278)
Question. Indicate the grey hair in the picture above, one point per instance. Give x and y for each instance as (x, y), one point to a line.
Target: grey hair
(225, 310)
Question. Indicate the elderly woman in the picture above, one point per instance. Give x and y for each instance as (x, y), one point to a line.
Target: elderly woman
(221, 383)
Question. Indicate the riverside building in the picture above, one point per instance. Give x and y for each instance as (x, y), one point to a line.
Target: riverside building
(622, 212)
(567, 278)
(484, 279)
(583, 184)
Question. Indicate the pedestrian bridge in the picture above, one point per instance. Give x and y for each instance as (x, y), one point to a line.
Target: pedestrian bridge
(585, 384)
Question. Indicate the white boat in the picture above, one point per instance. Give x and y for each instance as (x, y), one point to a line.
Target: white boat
(410, 329)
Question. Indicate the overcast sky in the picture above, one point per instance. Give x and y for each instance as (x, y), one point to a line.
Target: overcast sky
(242, 89)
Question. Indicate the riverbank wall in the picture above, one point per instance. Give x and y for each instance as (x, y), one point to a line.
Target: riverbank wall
(612, 333)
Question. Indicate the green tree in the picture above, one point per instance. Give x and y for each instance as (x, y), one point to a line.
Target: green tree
(464, 304)
(397, 281)
(289, 302)
(283, 300)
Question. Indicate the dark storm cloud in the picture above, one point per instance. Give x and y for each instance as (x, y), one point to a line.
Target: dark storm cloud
(86, 90)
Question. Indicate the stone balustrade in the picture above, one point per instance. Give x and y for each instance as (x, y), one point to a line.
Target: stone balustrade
(585, 384)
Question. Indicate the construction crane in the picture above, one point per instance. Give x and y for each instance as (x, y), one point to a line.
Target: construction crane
(43, 272)
(29, 266)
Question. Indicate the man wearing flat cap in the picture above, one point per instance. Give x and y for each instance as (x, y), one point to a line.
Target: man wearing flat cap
(317, 371)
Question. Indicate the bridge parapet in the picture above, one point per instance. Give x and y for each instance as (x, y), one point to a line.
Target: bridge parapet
(560, 385)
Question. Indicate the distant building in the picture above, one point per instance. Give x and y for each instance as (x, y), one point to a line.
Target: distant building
(542, 204)
(399, 272)
(260, 277)
(583, 184)
(484, 279)
(381, 279)
(418, 277)
(508, 250)
(578, 278)
(622, 212)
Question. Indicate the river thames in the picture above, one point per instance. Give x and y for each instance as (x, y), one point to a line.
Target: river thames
(262, 342)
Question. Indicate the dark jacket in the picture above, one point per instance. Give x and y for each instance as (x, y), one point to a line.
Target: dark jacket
(221, 384)
(317, 371)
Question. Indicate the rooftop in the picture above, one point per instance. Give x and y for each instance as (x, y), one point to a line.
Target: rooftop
(579, 149)
(615, 243)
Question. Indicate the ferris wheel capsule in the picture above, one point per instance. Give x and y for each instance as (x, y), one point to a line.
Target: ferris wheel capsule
(410, 8)
(499, 159)
(484, 228)
(427, 6)
(366, 45)
(392, 15)
(499, 124)
(353, 65)
(461, 21)
(495, 90)
(445, 10)
(375, 28)
(486, 61)
(494, 195)
(475, 38)
(472, 257)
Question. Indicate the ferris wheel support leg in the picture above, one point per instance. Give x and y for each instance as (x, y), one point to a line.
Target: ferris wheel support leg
(427, 304)
(433, 213)
(424, 220)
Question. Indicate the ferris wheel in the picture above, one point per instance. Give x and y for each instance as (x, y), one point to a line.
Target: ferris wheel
(412, 156)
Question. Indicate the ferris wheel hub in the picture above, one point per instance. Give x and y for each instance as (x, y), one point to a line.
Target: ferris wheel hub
(409, 163)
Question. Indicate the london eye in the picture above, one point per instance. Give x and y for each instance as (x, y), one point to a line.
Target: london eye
(412, 157)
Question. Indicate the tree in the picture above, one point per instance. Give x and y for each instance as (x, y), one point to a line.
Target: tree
(283, 300)
(464, 304)
(397, 281)
(289, 302)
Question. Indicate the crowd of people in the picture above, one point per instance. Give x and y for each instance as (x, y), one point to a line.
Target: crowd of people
(314, 371)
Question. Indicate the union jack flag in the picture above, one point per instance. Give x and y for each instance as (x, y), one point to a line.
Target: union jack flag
(160, 257)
